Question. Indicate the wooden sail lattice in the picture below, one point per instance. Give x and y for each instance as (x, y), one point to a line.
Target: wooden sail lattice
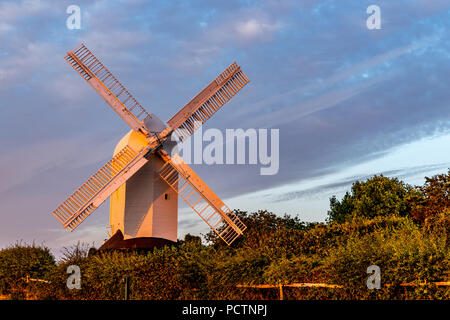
(201, 199)
(192, 116)
(80, 204)
(104, 82)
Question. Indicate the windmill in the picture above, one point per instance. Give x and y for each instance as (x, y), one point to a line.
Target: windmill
(145, 177)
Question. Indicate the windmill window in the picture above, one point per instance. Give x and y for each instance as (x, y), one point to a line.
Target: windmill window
(166, 196)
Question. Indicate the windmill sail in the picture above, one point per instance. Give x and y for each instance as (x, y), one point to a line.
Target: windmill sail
(208, 101)
(108, 87)
(99, 187)
(201, 198)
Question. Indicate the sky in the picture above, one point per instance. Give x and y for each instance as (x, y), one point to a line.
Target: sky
(349, 102)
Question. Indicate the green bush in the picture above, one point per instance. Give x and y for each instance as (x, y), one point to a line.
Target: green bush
(405, 254)
(21, 261)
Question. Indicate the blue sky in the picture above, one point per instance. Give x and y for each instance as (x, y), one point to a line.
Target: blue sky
(349, 102)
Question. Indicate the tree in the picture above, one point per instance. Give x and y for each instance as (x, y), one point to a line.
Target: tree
(189, 238)
(431, 198)
(340, 210)
(378, 196)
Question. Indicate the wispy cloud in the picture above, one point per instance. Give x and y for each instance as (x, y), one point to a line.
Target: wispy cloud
(340, 77)
(337, 186)
(21, 164)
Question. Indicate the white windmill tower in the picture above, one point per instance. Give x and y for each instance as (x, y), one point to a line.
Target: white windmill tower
(143, 178)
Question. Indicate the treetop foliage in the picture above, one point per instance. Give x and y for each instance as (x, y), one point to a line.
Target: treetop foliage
(383, 196)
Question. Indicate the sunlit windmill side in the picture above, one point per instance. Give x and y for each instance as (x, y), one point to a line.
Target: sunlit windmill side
(145, 177)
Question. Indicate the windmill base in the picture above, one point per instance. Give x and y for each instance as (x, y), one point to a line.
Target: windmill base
(116, 242)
